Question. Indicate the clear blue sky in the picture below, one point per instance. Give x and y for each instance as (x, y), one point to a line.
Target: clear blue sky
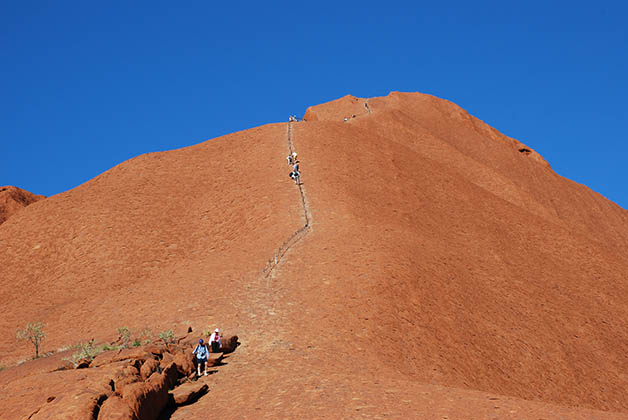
(86, 85)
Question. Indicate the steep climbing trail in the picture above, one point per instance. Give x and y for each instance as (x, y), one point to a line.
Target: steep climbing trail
(298, 234)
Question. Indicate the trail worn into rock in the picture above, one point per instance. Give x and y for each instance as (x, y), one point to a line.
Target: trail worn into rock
(299, 233)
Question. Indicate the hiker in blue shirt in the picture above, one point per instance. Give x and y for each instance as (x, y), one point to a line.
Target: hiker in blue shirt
(201, 351)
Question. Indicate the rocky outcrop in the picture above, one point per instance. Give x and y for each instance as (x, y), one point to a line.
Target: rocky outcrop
(13, 199)
(138, 383)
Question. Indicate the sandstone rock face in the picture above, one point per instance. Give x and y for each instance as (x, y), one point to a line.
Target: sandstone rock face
(487, 276)
(13, 199)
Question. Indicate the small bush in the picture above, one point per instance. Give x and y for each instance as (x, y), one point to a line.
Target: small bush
(124, 336)
(167, 337)
(108, 347)
(85, 351)
(145, 335)
(33, 333)
(137, 342)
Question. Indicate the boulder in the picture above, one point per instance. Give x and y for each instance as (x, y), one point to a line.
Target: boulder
(166, 360)
(134, 353)
(103, 358)
(148, 367)
(171, 375)
(115, 408)
(147, 399)
(185, 363)
(189, 392)
(124, 376)
(214, 359)
(229, 344)
(156, 349)
(190, 339)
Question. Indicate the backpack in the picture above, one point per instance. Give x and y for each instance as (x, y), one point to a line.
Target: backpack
(201, 351)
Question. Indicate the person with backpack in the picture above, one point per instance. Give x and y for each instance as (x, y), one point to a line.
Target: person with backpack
(201, 352)
(214, 341)
(296, 174)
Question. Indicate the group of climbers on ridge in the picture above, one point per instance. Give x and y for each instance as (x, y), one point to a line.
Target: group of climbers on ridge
(293, 161)
(295, 174)
(201, 351)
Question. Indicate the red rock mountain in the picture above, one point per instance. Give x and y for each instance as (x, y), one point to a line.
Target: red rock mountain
(427, 267)
(13, 199)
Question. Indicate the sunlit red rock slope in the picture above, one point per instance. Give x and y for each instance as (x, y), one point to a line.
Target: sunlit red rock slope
(448, 269)
(13, 199)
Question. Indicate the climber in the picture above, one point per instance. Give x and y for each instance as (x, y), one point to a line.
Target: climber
(295, 175)
(201, 351)
(214, 341)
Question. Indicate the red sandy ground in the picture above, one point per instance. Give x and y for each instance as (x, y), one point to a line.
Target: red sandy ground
(13, 199)
(448, 271)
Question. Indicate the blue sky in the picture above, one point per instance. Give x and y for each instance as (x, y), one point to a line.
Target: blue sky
(87, 85)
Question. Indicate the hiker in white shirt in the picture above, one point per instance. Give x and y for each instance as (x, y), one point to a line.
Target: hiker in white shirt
(214, 341)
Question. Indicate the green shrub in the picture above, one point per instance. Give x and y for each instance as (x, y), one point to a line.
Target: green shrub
(85, 351)
(145, 335)
(108, 347)
(33, 333)
(167, 337)
(137, 342)
(124, 336)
